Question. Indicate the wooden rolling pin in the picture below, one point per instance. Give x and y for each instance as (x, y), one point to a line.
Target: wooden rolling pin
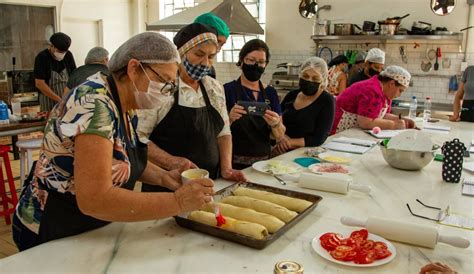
(330, 182)
(415, 234)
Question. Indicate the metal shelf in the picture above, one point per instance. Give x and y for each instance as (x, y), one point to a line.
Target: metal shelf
(455, 37)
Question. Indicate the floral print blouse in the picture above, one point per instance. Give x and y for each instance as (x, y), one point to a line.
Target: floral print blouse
(88, 109)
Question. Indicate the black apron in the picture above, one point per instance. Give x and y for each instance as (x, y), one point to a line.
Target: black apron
(62, 217)
(191, 133)
(250, 135)
(467, 111)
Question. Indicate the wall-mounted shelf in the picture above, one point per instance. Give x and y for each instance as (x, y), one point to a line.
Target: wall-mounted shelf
(399, 39)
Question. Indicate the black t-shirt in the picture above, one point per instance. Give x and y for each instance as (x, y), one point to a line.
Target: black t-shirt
(313, 123)
(80, 75)
(45, 63)
(360, 76)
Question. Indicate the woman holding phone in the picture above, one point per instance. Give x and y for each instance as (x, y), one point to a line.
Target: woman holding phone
(254, 110)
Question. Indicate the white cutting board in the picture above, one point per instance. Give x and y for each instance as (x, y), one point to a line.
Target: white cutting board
(411, 140)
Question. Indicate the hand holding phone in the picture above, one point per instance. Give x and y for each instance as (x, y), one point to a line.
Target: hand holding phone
(254, 108)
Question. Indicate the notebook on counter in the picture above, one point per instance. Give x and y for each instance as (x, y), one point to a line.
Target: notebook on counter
(386, 133)
(351, 145)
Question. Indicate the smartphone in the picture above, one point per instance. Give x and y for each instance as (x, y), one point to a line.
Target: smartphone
(254, 108)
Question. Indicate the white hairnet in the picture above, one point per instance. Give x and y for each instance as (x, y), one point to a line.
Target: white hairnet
(147, 47)
(360, 57)
(95, 55)
(399, 74)
(317, 64)
(375, 55)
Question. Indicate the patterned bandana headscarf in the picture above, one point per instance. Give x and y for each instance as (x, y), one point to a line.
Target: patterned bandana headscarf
(197, 40)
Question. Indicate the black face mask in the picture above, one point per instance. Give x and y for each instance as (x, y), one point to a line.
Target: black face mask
(373, 72)
(308, 88)
(252, 72)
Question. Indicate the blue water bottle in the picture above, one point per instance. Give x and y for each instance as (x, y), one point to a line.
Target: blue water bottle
(4, 113)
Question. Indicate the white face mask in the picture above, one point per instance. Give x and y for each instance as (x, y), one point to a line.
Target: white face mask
(153, 97)
(59, 56)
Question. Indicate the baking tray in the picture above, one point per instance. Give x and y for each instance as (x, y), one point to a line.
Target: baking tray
(242, 239)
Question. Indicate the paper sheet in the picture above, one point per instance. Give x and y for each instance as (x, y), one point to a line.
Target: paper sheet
(386, 133)
(358, 149)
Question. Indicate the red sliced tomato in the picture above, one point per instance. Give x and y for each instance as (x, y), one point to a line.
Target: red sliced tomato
(350, 256)
(338, 255)
(348, 242)
(360, 234)
(330, 241)
(380, 245)
(368, 245)
(365, 257)
(344, 248)
(382, 253)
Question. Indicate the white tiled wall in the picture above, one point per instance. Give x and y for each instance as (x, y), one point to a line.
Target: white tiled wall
(432, 83)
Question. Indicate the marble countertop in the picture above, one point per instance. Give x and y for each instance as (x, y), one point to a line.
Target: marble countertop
(163, 247)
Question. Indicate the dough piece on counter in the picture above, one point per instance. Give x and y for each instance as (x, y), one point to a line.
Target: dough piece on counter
(253, 230)
(272, 223)
(278, 211)
(290, 203)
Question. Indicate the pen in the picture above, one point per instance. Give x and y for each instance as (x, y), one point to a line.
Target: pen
(363, 145)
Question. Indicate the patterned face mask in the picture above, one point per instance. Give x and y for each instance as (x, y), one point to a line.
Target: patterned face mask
(196, 72)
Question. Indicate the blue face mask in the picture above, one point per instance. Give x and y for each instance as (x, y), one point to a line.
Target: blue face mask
(196, 72)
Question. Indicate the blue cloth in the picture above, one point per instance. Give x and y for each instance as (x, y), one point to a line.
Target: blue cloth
(231, 90)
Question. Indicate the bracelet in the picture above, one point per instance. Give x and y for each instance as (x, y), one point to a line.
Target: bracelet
(277, 124)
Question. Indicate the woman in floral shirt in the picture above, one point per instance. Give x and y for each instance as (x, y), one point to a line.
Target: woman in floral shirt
(91, 156)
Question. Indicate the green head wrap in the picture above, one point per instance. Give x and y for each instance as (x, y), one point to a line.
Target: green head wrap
(212, 20)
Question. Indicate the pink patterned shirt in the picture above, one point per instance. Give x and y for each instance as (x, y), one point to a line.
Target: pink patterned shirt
(364, 98)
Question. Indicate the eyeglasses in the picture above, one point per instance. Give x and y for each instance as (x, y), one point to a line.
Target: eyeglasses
(252, 61)
(169, 87)
(442, 214)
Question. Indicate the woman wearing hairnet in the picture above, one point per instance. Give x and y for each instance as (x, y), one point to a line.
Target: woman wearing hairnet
(192, 127)
(308, 112)
(367, 104)
(91, 155)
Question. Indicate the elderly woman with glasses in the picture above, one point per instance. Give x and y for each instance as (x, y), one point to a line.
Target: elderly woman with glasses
(308, 112)
(91, 156)
(191, 128)
(366, 104)
(252, 131)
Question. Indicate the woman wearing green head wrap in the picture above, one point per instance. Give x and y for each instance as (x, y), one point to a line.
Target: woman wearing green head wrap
(214, 21)
(211, 20)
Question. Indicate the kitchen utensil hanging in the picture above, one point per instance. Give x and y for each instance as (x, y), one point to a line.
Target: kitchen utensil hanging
(425, 65)
(446, 63)
(431, 54)
(438, 53)
(403, 55)
(325, 53)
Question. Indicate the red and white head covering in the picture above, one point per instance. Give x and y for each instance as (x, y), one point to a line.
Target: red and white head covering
(399, 74)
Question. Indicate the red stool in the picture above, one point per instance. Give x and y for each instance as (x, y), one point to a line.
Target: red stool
(5, 199)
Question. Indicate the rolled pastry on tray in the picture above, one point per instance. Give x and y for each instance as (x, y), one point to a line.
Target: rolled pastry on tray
(278, 211)
(290, 203)
(272, 223)
(253, 230)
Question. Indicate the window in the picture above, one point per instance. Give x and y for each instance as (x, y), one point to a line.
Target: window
(230, 51)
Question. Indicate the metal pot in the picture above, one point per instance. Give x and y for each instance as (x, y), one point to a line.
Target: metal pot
(421, 25)
(291, 68)
(387, 28)
(344, 29)
(368, 26)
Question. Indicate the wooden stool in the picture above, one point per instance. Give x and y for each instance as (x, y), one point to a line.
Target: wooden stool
(5, 198)
(26, 148)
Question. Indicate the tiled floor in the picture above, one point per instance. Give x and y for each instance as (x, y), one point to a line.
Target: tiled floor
(7, 246)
